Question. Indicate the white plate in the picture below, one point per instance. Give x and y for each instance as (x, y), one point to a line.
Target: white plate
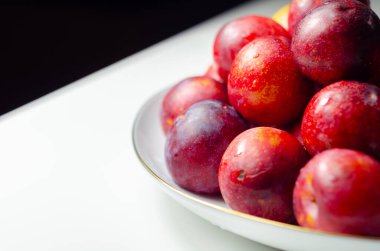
(149, 143)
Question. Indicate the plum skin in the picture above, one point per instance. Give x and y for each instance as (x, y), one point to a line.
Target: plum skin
(258, 171)
(300, 8)
(338, 190)
(215, 72)
(186, 93)
(265, 85)
(336, 41)
(295, 130)
(375, 68)
(236, 34)
(196, 143)
(345, 114)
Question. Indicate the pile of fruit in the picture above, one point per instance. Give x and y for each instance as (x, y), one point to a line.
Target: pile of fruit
(285, 124)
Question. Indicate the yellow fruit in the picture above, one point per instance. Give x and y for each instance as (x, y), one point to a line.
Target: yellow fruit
(281, 16)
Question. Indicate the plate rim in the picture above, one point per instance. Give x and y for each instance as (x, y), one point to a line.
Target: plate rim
(228, 210)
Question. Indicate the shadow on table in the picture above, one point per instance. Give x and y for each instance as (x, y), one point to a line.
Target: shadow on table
(199, 234)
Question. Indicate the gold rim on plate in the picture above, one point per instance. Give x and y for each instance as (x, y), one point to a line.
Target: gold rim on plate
(222, 209)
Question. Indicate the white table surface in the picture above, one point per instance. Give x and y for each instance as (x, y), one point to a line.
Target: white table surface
(69, 179)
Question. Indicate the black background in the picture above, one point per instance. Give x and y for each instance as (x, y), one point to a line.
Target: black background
(45, 46)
